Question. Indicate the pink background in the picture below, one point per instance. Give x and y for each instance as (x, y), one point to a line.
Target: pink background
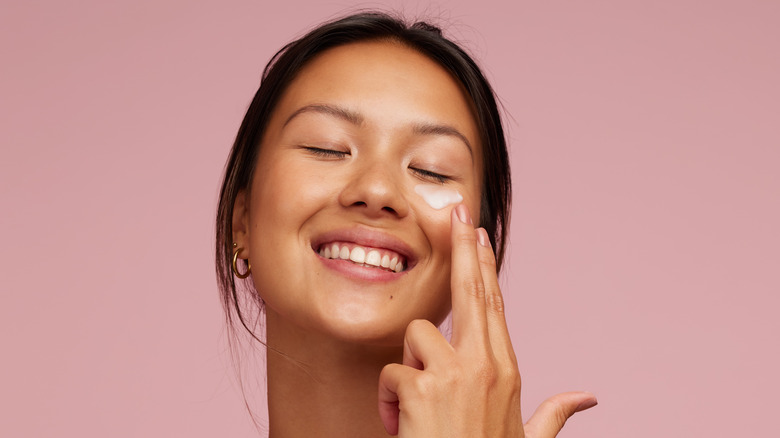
(644, 259)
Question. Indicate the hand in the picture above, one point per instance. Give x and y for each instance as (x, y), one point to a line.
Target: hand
(469, 387)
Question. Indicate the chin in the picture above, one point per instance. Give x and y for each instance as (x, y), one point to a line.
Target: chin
(365, 329)
(357, 326)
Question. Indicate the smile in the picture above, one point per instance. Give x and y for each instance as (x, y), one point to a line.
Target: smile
(363, 256)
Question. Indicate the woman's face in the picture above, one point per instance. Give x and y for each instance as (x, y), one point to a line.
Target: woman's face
(356, 138)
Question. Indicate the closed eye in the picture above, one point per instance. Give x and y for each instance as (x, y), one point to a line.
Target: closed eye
(432, 176)
(325, 153)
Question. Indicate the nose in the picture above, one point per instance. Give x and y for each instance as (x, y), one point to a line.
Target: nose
(375, 190)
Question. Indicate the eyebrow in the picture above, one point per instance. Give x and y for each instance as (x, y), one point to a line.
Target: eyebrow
(357, 119)
(335, 111)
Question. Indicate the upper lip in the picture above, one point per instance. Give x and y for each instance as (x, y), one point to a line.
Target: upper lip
(363, 236)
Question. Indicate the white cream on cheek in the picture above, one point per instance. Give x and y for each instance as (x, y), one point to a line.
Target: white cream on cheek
(437, 197)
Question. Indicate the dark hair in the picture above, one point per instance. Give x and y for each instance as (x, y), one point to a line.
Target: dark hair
(288, 62)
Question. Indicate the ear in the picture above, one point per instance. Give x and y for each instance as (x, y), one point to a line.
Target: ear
(241, 224)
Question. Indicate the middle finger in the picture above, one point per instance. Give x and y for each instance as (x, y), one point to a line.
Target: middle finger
(469, 321)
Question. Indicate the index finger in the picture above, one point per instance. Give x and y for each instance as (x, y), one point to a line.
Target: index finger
(469, 319)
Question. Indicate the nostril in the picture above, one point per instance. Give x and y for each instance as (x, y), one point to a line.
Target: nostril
(373, 200)
(385, 208)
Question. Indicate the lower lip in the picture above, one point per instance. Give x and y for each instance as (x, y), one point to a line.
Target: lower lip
(359, 272)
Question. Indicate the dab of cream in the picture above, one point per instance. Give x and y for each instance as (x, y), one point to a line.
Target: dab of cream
(437, 197)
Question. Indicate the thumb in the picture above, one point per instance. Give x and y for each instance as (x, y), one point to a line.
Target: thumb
(552, 414)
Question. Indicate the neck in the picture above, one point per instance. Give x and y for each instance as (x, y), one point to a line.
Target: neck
(320, 386)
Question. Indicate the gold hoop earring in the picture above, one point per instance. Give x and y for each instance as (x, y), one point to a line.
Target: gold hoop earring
(235, 268)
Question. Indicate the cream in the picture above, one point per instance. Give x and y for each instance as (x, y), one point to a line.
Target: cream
(437, 197)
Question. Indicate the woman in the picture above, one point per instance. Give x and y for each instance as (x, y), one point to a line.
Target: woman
(346, 214)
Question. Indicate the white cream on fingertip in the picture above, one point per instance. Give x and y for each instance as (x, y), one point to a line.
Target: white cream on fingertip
(437, 197)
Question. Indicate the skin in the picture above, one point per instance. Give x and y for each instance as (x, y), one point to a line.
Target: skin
(351, 137)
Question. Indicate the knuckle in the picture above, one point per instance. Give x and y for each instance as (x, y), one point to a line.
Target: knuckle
(495, 303)
(557, 413)
(512, 378)
(455, 374)
(489, 377)
(424, 385)
(474, 287)
(560, 415)
(486, 373)
(487, 259)
(387, 371)
(467, 238)
(504, 375)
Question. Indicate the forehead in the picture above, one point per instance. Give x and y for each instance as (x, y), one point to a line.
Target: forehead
(388, 83)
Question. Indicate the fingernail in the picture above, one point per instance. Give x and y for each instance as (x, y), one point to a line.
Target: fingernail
(482, 237)
(587, 404)
(463, 214)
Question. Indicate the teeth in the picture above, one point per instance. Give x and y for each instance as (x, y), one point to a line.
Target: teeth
(363, 256)
(358, 255)
(373, 258)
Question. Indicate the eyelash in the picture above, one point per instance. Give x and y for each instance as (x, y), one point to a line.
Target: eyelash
(427, 174)
(325, 153)
(334, 153)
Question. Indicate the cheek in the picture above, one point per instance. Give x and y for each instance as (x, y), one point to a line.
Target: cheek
(435, 203)
(284, 194)
(435, 223)
(438, 197)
